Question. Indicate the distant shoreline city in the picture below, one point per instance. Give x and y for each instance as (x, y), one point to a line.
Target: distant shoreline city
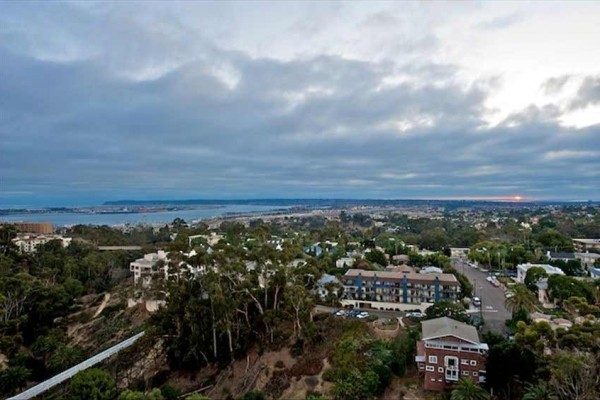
(157, 212)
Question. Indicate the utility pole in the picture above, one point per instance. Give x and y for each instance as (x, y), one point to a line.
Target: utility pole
(481, 311)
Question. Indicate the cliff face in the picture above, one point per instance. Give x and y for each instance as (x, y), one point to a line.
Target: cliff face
(141, 363)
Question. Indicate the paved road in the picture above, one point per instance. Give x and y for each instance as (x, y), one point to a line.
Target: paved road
(492, 298)
(63, 376)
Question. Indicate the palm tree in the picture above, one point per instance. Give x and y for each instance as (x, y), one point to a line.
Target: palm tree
(541, 391)
(467, 389)
(522, 299)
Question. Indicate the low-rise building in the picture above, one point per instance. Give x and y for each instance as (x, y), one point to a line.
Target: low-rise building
(328, 284)
(211, 239)
(459, 252)
(401, 258)
(29, 243)
(566, 257)
(523, 268)
(587, 259)
(448, 351)
(583, 245)
(144, 268)
(314, 250)
(368, 287)
(344, 262)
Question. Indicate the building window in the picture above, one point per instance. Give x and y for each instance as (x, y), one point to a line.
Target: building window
(432, 359)
(464, 362)
(465, 372)
(429, 368)
(473, 363)
(475, 373)
(440, 369)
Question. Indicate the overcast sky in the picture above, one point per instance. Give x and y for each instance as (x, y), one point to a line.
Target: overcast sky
(150, 100)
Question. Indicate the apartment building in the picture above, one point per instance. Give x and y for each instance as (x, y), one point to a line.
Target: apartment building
(523, 268)
(368, 288)
(583, 245)
(29, 243)
(144, 268)
(39, 228)
(449, 351)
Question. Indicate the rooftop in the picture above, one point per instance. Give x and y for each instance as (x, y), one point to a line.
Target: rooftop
(565, 256)
(548, 268)
(587, 255)
(587, 241)
(399, 276)
(325, 279)
(440, 327)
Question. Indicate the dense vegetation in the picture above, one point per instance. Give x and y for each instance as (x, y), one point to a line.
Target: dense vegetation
(36, 292)
(250, 298)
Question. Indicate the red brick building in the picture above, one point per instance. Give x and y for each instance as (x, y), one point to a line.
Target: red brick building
(449, 351)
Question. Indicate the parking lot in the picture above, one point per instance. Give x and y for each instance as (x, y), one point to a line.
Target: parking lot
(376, 313)
(351, 313)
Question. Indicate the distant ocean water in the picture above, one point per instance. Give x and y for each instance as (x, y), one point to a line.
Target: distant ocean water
(62, 219)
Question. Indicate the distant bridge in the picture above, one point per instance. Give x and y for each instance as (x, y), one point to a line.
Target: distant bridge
(68, 374)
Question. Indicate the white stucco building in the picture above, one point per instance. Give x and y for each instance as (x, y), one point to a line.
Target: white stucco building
(346, 262)
(147, 266)
(523, 268)
(29, 243)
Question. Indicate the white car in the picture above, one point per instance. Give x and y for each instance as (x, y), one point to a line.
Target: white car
(362, 315)
(340, 313)
(415, 315)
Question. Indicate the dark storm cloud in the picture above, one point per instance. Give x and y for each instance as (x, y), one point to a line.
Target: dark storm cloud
(150, 116)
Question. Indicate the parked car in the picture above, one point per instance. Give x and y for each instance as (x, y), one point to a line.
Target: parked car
(362, 315)
(508, 294)
(340, 313)
(489, 279)
(476, 302)
(415, 314)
